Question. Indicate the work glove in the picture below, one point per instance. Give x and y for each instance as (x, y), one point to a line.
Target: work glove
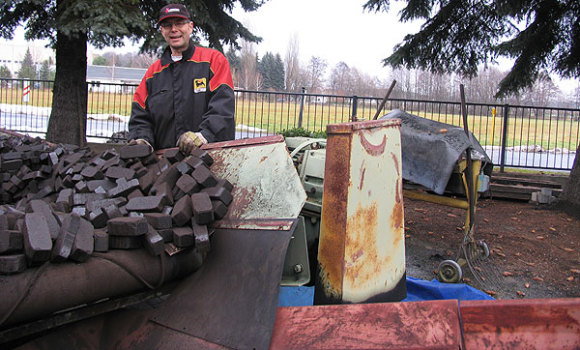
(140, 142)
(189, 141)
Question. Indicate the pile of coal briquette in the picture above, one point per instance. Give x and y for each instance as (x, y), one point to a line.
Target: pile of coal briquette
(62, 203)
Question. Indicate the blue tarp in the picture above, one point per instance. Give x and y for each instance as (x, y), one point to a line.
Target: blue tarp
(417, 290)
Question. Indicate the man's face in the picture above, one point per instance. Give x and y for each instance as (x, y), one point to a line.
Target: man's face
(176, 32)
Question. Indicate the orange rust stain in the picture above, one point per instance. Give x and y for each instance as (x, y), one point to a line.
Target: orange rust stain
(218, 159)
(244, 197)
(397, 219)
(333, 224)
(362, 238)
(330, 256)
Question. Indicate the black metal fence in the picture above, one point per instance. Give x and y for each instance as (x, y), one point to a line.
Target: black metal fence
(512, 135)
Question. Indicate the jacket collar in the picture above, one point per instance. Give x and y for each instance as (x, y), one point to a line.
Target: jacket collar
(187, 54)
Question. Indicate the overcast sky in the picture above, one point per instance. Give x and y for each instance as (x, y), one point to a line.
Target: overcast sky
(334, 30)
(338, 31)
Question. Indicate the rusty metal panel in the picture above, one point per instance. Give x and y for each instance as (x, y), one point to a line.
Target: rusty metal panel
(522, 324)
(229, 303)
(332, 226)
(417, 325)
(362, 249)
(121, 329)
(232, 299)
(266, 184)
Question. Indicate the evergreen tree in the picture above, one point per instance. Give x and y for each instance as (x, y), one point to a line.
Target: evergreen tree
(71, 24)
(27, 68)
(5, 72)
(460, 35)
(46, 72)
(233, 58)
(100, 61)
(272, 69)
(235, 64)
(279, 75)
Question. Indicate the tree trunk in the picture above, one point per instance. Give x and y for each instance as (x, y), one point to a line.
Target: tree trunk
(569, 200)
(67, 123)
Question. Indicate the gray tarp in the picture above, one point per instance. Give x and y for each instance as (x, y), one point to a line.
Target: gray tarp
(431, 149)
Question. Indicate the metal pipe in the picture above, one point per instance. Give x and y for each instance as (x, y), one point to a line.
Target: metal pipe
(353, 117)
(504, 137)
(433, 198)
(468, 170)
(301, 114)
(384, 101)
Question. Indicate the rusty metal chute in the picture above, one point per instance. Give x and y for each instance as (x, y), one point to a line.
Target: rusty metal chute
(238, 283)
(361, 254)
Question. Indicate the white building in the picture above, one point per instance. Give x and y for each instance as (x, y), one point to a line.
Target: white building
(99, 77)
(13, 53)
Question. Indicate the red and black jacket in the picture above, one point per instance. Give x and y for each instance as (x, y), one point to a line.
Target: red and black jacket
(193, 94)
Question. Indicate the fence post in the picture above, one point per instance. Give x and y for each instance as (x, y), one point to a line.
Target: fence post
(301, 107)
(26, 91)
(504, 137)
(353, 117)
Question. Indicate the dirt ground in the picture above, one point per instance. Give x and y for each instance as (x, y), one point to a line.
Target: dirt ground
(534, 250)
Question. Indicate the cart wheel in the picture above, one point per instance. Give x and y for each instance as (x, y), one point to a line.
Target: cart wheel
(449, 272)
(484, 249)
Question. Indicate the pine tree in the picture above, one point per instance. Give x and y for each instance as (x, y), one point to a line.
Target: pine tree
(460, 35)
(278, 80)
(233, 58)
(5, 72)
(27, 68)
(235, 65)
(100, 61)
(70, 25)
(46, 72)
(272, 69)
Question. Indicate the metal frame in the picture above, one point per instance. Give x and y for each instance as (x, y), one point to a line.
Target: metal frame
(530, 125)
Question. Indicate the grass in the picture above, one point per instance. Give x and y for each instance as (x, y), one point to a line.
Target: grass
(532, 171)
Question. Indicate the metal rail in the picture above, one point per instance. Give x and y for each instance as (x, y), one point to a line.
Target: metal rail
(513, 135)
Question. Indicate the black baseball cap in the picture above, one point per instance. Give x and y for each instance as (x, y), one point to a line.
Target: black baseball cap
(173, 10)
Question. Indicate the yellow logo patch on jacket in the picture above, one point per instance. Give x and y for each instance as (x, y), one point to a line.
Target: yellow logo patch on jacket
(199, 85)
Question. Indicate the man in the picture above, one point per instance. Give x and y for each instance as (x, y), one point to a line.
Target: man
(186, 98)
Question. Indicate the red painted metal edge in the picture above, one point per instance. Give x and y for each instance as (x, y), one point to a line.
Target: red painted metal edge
(417, 325)
(257, 224)
(244, 142)
(522, 324)
(235, 143)
(351, 126)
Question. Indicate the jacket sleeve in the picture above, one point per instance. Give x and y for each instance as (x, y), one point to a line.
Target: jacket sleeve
(140, 122)
(218, 122)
